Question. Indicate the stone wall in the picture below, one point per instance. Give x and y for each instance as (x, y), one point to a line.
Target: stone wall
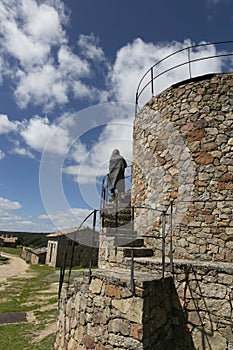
(204, 301)
(106, 315)
(183, 152)
(191, 311)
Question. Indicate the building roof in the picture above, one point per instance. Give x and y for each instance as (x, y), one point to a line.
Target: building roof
(83, 235)
(36, 251)
(7, 239)
(69, 231)
(39, 251)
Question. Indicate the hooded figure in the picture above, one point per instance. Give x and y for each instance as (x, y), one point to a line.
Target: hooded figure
(117, 165)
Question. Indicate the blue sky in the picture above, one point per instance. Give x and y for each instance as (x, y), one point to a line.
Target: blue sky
(68, 76)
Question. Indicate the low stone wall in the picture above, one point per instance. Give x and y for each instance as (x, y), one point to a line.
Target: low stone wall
(106, 315)
(190, 311)
(205, 300)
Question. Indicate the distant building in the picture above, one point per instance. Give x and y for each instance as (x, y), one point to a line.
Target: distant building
(61, 247)
(34, 256)
(8, 241)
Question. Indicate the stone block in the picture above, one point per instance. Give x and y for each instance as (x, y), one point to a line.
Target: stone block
(112, 290)
(132, 308)
(96, 286)
(89, 342)
(119, 325)
(79, 334)
(136, 331)
(99, 318)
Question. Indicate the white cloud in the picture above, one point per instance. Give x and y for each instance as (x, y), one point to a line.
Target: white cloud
(12, 222)
(29, 30)
(2, 155)
(43, 22)
(6, 204)
(6, 125)
(37, 132)
(79, 151)
(72, 65)
(67, 219)
(21, 150)
(89, 45)
(91, 164)
(45, 71)
(41, 86)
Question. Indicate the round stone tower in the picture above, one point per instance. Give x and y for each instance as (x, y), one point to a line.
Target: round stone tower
(183, 157)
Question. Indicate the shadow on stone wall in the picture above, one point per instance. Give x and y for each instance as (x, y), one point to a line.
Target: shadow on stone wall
(165, 324)
(208, 310)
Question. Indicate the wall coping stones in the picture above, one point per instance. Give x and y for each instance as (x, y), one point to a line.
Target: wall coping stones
(121, 276)
(151, 263)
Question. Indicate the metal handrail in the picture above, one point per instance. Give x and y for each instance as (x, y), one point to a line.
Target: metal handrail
(165, 232)
(152, 77)
(63, 267)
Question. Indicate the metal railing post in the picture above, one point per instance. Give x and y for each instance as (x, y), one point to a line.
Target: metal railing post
(92, 243)
(62, 274)
(163, 243)
(116, 225)
(152, 81)
(136, 103)
(132, 282)
(171, 233)
(189, 63)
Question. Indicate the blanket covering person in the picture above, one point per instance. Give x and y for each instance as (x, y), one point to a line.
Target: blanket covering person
(117, 165)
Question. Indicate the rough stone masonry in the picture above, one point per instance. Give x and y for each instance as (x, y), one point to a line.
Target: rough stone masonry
(183, 152)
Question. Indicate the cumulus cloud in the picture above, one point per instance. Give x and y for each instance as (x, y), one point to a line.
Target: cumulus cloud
(90, 48)
(46, 72)
(67, 219)
(90, 164)
(22, 151)
(37, 132)
(2, 155)
(11, 222)
(6, 204)
(51, 84)
(30, 29)
(6, 125)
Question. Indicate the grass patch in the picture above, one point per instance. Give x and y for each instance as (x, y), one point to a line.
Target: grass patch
(13, 251)
(32, 294)
(3, 260)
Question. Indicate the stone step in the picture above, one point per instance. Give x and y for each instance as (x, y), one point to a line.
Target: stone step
(121, 241)
(112, 209)
(138, 242)
(123, 231)
(139, 252)
(113, 223)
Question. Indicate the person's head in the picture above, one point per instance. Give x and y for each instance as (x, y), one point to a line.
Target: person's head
(115, 152)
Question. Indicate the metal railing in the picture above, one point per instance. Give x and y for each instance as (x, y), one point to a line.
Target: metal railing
(158, 70)
(117, 208)
(165, 231)
(92, 214)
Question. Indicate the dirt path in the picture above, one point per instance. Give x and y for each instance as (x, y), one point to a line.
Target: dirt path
(17, 267)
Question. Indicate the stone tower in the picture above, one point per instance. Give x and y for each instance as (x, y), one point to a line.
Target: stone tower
(183, 152)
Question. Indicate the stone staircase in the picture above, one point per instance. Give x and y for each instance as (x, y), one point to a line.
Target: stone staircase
(117, 235)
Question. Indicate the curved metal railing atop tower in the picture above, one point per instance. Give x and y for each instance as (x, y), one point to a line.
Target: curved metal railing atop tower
(185, 60)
